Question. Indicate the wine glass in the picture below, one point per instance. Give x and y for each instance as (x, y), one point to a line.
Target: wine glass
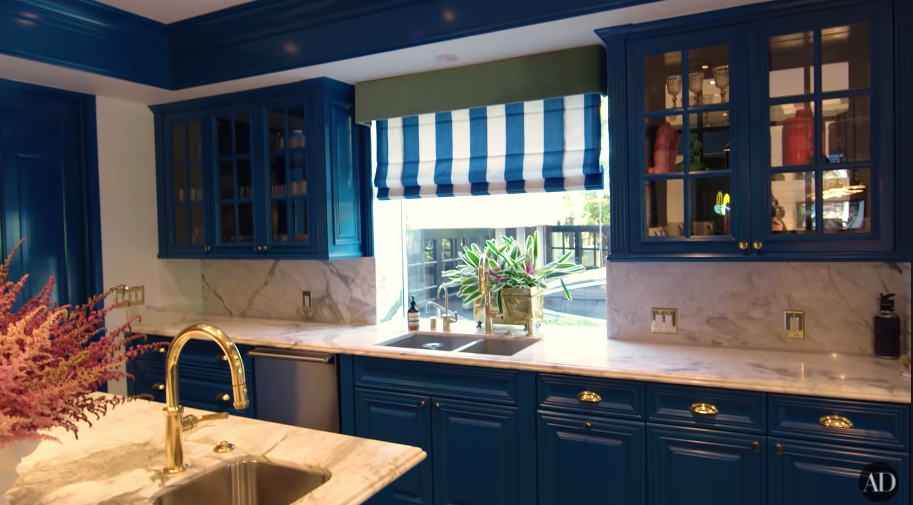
(721, 78)
(674, 87)
(696, 85)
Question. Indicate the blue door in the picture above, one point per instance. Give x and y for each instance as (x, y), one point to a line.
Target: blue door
(690, 465)
(477, 454)
(45, 191)
(400, 419)
(576, 452)
(807, 473)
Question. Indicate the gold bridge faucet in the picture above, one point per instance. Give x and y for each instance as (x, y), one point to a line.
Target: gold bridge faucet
(175, 423)
(485, 289)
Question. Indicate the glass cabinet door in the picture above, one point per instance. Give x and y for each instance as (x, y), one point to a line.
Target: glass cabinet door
(288, 176)
(234, 181)
(818, 161)
(187, 223)
(689, 157)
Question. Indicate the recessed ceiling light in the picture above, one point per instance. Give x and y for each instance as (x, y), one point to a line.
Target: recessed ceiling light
(446, 58)
(712, 82)
(705, 67)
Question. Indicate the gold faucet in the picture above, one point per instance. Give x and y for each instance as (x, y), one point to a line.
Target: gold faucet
(485, 289)
(447, 319)
(175, 424)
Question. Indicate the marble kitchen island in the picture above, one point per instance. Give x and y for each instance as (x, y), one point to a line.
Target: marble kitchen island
(119, 460)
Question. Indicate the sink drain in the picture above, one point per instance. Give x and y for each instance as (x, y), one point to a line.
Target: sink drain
(432, 346)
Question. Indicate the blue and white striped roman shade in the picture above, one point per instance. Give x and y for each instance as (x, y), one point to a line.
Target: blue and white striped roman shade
(543, 145)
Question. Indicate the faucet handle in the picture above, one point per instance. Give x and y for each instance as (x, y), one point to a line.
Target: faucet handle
(191, 421)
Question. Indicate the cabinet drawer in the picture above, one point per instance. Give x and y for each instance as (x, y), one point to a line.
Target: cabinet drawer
(623, 399)
(706, 408)
(198, 388)
(199, 353)
(881, 425)
(434, 379)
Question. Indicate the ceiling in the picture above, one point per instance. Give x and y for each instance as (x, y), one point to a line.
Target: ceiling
(170, 11)
(532, 39)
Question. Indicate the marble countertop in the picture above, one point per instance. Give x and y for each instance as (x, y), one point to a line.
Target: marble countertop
(582, 351)
(119, 460)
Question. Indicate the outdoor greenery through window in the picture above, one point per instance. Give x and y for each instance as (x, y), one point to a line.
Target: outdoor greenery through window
(435, 230)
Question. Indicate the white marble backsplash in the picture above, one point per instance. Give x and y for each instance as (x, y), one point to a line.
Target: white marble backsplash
(742, 304)
(342, 291)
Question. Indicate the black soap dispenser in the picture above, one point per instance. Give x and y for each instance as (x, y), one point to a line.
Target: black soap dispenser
(887, 329)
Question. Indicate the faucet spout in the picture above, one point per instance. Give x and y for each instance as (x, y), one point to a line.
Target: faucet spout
(174, 426)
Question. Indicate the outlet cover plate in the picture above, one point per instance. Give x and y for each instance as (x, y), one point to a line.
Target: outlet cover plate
(306, 302)
(794, 324)
(664, 321)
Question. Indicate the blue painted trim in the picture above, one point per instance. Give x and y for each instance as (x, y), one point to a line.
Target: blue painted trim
(89, 145)
(87, 36)
(616, 95)
(903, 133)
(345, 370)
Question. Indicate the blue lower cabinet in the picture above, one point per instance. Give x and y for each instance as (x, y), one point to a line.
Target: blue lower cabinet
(809, 473)
(476, 454)
(400, 419)
(686, 466)
(590, 460)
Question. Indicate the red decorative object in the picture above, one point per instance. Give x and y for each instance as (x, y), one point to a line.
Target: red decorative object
(799, 138)
(664, 150)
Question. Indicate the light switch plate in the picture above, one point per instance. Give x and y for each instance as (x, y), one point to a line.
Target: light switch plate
(664, 321)
(794, 324)
(130, 295)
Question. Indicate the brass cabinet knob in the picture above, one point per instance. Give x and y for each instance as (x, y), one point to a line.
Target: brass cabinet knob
(222, 357)
(158, 386)
(704, 409)
(437, 405)
(778, 449)
(162, 350)
(755, 446)
(264, 249)
(421, 404)
(589, 397)
(224, 397)
(839, 422)
(206, 249)
(586, 426)
(743, 245)
(757, 245)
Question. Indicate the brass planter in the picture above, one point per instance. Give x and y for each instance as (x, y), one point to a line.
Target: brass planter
(521, 306)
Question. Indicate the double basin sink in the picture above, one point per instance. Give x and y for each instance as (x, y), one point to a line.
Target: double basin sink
(461, 343)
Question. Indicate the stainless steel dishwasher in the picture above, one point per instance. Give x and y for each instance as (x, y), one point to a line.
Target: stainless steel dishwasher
(297, 388)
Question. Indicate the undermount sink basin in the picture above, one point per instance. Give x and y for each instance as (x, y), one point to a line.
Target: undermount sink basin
(474, 344)
(246, 482)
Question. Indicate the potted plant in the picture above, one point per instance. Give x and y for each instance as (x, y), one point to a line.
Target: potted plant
(52, 358)
(517, 282)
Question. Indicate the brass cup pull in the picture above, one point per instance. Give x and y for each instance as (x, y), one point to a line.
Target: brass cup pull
(589, 397)
(704, 409)
(158, 386)
(224, 397)
(743, 245)
(755, 446)
(835, 422)
(757, 245)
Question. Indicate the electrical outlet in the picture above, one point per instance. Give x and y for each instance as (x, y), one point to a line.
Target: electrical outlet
(130, 295)
(794, 324)
(664, 321)
(306, 305)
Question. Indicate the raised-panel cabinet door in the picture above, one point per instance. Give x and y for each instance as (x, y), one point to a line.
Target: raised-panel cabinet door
(686, 466)
(400, 419)
(808, 473)
(476, 454)
(185, 189)
(586, 460)
(345, 183)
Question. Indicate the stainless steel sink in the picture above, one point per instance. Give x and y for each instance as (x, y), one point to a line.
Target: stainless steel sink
(475, 344)
(246, 482)
(498, 346)
(431, 341)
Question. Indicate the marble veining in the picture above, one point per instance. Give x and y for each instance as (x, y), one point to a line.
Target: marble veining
(342, 291)
(742, 304)
(587, 351)
(119, 460)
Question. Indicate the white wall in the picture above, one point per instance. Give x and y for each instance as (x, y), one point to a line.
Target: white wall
(129, 221)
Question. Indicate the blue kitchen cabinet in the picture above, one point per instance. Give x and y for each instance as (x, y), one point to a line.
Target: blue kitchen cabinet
(810, 473)
(763, 132)
(577, 452)
(401, 419)
(693, 465)
(279, 172)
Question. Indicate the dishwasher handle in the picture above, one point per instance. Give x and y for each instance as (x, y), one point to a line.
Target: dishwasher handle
(306, 356)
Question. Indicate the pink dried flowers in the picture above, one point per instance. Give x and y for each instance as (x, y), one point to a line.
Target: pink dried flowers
(52, 358)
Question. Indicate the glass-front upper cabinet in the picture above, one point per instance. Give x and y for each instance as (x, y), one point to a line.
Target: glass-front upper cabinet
(234, 182)
(184, 138)
(287, 154)
(690, 158)
(821, 149)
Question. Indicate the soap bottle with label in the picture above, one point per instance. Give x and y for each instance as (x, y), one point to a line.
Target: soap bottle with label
(887, 329)
(413, 314)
